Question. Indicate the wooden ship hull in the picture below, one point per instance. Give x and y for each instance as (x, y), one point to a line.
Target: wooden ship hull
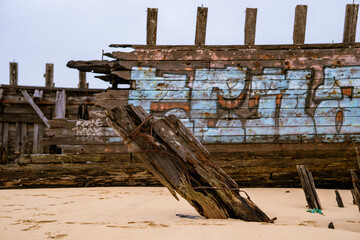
(259, 109)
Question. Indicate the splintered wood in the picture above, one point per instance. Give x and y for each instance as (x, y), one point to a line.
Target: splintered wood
(178, 160)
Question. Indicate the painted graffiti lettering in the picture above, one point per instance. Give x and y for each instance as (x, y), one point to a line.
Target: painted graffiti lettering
(233, 105)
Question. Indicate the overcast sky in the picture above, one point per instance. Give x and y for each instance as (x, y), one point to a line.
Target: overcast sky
(35, 32)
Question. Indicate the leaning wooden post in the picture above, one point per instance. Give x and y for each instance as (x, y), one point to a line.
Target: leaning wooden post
(351, 16)
(82, 80)
(300, 24)
(182, 164)
(356, 185)
(250, 26)
(151, 27)
(308, 186)
(49, 75)
(201, 20)
(13, 80)
(339, 199)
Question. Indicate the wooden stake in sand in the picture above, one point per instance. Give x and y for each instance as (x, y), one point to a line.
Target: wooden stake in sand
(356, 185)
(178, 160)
(308, 185)
(339, 199)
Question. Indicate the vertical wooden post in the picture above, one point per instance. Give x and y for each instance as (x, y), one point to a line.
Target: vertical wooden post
(358, 156)
(82, 80)
(351, 16)
(13, 73)
(4, 142)
(250, 26)
(17, 138)
(35, 145)
(60, 104)
(201, 20)
(151, 27)
(49, 75)
(300, 24)
(23, 138)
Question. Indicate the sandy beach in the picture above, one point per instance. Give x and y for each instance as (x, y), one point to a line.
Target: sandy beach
(151, 213)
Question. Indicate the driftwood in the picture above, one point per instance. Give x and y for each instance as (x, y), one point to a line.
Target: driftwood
(356, 185)
(175, 157)
(308, 185)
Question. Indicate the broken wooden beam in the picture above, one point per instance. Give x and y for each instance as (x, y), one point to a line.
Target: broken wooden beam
(308, 186)
(250, 26)
(201, 20)
(35, 107)
(178, 160)
(151, 27)
(356, 188)
(351, 16)
(300, 24)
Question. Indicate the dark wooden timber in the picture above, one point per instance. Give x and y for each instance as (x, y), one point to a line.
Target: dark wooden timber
(356, 187)
(351, 16)
(13, 78)
(201, 20)
(179, 161)
(250, 26)
(300, 24)
(82, 80)
(49, 75)
(151, 27)
(358, 156)
(339, 199)
(308, 185)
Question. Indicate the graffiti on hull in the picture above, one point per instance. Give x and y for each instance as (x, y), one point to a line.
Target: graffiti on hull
(232, 105)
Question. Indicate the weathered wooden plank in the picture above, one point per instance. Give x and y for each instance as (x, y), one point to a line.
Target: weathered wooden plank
(308, 185)
(49, 75)
(35, 146)
(237, 47)
(300, 24)
(35, 107)
(250, 26)
(82, 80)
(206, 54)
(73, 90)
(351, 16)
(38, 94)
(100, 148)
(60, 104)
(151, 27)
(90, 174)
(120, 158)
(201, 20)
